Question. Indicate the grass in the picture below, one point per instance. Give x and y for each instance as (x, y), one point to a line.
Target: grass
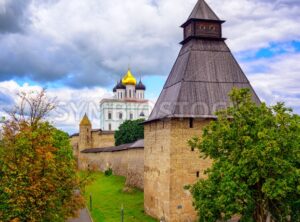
(108, 198)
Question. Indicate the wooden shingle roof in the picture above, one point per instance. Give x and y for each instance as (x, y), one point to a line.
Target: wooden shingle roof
(139, 144)
(201, 78)
(203, 11)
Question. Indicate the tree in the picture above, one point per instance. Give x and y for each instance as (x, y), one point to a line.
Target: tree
(130, 131)
(256, 157)
(38, 178)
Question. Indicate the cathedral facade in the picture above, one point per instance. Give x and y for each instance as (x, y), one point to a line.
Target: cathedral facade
(128, 103)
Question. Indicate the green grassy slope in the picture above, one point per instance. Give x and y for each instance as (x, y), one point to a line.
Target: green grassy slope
(108, 198)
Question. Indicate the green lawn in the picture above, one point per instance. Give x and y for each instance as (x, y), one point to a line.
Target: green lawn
(108, 198)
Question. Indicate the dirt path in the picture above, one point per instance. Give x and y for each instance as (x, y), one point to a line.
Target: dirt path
(83, 217)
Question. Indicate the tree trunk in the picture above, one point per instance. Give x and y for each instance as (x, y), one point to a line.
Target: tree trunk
(261, 215)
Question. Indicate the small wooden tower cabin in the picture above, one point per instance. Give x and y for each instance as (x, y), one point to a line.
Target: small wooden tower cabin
(198, 85)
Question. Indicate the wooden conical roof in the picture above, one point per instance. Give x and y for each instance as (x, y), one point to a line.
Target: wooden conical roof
(85, 121)
(203, 11)
(201, 78)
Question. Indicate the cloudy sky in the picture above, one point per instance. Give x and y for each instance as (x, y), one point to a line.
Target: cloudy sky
(79, 49)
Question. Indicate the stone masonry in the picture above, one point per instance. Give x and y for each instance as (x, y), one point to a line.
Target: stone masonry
(170, 165)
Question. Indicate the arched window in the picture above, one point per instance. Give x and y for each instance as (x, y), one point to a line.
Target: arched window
(130, 116)
(109, 115)
(109, 127)
(120, 115)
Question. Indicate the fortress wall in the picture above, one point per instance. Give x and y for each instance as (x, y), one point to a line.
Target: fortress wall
(135, 168)
(74, 141)
(99, 139)
(127, 163)
(103, 139)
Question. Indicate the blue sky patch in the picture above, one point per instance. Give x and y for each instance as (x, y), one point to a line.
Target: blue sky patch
(274, 49)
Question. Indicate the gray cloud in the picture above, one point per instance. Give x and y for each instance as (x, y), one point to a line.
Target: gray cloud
(91, 43)
(80, 46)
(13, 15)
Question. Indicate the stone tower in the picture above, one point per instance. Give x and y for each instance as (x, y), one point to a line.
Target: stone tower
(198, 85)
(85, 134)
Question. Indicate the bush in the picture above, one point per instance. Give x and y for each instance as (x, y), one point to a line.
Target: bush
(108, 172)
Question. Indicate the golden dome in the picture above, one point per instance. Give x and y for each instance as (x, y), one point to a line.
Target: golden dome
(85, 121)
(129, 79)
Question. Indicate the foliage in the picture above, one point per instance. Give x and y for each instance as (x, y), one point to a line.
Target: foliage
(38, 178)
(130, 131)
(108, 172)
(108, 198)
(255, 173)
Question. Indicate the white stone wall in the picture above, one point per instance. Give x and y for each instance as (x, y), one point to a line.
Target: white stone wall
(114, 112)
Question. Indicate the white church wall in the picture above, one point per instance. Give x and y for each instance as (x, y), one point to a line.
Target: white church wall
(114, 112)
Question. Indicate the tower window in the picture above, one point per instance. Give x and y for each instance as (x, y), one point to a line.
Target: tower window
(120, 116)
(191, 123)
(109, 116)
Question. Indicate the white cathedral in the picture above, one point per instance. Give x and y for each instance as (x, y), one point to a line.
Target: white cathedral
(128, 103)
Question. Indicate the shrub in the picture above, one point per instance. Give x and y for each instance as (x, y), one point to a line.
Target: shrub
(108, 172)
